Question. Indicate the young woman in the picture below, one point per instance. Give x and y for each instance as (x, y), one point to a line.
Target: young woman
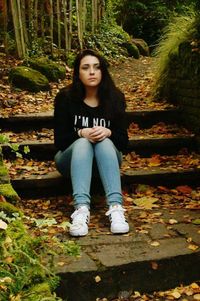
(89, 126)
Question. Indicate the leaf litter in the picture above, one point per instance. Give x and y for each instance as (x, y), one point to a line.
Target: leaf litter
(41, 135)
(137, 89)
(182, 161)
(158, 130)
(132, 161)
(24, 168)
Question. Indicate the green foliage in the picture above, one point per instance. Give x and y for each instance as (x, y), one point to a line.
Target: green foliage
(181, 28)
(7, 210)
(146, 19)
(26, 265)
(14, 146)
(132, 50)
(110, 40)
(70, 59)
(9, 193)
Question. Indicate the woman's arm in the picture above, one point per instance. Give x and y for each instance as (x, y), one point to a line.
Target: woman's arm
(119, 135)
(64, 133)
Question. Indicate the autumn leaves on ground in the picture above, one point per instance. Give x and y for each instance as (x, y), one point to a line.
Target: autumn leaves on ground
(51, 215)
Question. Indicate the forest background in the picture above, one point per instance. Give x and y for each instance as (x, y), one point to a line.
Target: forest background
(60, 28)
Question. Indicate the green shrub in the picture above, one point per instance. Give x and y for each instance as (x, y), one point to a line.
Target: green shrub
(181, 28)
(132, 50)
(146, 19)
(110, 40)
(27, 271)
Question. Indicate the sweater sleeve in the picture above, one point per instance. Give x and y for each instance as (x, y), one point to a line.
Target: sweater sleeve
(119, 134)
(64, 133)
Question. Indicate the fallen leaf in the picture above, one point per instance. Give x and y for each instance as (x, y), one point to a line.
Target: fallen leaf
(155, 244)
(154, 265)
(196, 221)
(3, 225)
(193, 247)
(97, 279)
(9, 259)
(176, 295)
(172, 221)
(155, 160)
(189, 239)
(184, 189)
(146, 202)
(196, 297)
(61, 263)
(194, 285)
(6, 280)
(2, 198)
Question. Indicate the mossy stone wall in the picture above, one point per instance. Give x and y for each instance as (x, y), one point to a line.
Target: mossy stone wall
(182, 85)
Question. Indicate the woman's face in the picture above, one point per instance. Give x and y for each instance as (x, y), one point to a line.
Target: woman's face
(89, 71)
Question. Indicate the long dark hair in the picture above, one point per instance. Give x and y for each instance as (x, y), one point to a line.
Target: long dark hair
(111, 99)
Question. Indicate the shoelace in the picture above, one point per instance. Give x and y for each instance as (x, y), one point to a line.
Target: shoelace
(119, 211)
(81, 215)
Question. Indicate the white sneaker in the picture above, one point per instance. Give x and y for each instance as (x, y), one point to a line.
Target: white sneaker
(80, 220)
(117, 219)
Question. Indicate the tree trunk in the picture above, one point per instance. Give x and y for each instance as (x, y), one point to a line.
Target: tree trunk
(65, 26)
(51, 24)
(58, 23)
(70, 25)
(94, 14)
(36, 18)
(79, 22)
(23, 13)
(42, 11)
(5, 24)
(15, 16)
(84, 13)
(21, 30)
(31, 28)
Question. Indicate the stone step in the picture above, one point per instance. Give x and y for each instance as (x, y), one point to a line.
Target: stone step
(113, 265)
(27, 121)
(144, 146)
(144, 118)
(52, 183)
(160, 251)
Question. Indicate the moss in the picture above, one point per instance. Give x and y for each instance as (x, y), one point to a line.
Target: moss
(9, 193)
(28, 79)
(4, 177)
(132, 49)
(38, 292)
(142, 46)
(9, 209)
(52, 70)
(3, 171)
(21, 263)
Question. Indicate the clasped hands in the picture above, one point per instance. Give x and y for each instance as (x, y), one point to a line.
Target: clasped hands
(95, 134)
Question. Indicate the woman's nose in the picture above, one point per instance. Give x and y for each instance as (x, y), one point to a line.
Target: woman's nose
(91, 70)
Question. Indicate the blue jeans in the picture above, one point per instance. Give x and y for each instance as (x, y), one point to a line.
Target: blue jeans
(77, 160)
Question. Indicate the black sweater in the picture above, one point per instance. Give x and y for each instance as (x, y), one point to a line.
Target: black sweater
(70, 115)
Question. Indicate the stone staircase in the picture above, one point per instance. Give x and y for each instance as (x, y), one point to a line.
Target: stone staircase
(110, 264)
(51, 183)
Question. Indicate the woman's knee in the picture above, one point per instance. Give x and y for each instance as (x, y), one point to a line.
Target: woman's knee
(82, 144)
(107, 148)
(105, 145)
(82, 148)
